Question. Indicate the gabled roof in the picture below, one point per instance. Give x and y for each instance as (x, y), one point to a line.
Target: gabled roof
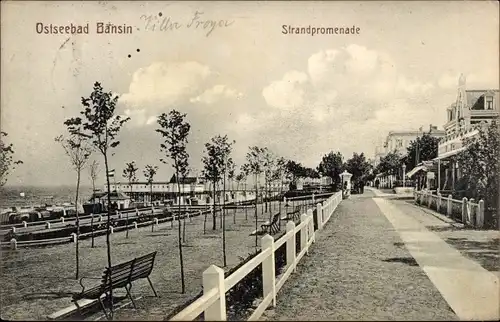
(475, 98)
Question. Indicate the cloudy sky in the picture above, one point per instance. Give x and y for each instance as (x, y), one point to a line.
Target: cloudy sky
(300, 95)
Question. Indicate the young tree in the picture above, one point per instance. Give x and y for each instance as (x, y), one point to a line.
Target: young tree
(101, 126)
(239, 178)
(268, 167)
(254, 166)
(332, 166)
(212, 169)
(279, 175)
(6, 159)
(184, 171)
(78, 150)
(93, 173)
(174, 131)
(130, 173)
(230, 167)
(149, 173)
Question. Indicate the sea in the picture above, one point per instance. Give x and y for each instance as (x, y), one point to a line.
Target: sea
(17, 196)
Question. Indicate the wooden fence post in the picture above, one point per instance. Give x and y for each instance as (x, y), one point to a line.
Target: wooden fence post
(25, 224)
(290, 246)
(310, 226)
(13, 230)
(319, 215)
(449, 205)
(47, 225)
(73, 235)
(135, 224)
(156, 221)
(213, 277)
(62, 220)
(480, 214)
(111, 229)
(464, 210)
(100, 218)
(303, 232)
(471, 215)
(438, 203)
(268, 270)
(13, 244)
(430, 199)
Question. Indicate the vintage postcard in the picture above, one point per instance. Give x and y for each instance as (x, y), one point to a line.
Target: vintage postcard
(249, 160)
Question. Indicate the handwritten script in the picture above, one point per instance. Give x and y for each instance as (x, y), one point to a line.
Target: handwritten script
(160, 22)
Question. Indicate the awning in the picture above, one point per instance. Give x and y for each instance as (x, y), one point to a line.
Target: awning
(415, 170)
(449, 154)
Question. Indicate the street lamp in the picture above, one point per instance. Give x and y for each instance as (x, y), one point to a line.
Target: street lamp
(404, 174)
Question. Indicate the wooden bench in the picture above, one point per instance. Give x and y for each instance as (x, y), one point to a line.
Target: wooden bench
(271, 227)
(118, 276)
(292, 215)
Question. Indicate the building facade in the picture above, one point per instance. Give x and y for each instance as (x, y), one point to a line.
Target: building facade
(471, 110)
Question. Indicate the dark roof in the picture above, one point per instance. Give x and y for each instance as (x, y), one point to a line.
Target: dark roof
(186, 180)
(114, 195)
(475, 98)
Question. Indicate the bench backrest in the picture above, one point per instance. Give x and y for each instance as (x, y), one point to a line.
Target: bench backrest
(122, 274)
(276, 217)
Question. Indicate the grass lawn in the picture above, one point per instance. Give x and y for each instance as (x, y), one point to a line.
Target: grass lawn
(39, 281)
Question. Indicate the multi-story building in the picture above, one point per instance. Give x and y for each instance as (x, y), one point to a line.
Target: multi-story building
(471, 110)
(399, 141)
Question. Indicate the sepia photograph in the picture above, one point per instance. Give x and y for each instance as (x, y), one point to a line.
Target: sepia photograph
(249, 160)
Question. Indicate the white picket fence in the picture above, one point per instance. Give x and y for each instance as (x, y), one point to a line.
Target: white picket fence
(213, 301)
(469, 212)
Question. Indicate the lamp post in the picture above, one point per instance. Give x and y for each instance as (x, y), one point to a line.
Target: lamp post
(404, 174)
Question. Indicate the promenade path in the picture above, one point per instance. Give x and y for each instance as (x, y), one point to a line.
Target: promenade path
(376, 259)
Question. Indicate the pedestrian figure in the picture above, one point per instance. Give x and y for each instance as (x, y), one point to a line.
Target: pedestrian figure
(377, 183)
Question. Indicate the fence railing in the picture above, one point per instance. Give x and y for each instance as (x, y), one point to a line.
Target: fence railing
(213, 301)
(465, 211)
(14, 244)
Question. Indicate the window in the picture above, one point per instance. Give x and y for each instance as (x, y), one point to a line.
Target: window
(399, 143)
(489, 102)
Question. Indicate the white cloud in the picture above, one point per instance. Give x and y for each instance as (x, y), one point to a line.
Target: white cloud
(286, 93)
(165, 83)
(215, 94)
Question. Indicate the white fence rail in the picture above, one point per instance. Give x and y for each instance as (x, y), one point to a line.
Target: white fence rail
(468, 212)
(213, 301)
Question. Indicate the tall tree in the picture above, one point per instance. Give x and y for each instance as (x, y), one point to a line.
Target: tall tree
(390, 164)
(149, 173)
(93, 173)
(331, 165)
(6, 159)
(423, 148)
(479, 166)
(78, 150)
(254, 166)
(358, 166)
(174, 130)
(130, 173)
(101, 126)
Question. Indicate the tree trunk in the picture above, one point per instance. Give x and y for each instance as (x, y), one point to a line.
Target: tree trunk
(179, 235)
(108, 224)
(223, 219)
(184, 219)
(93, 213)
(214, 222)
(77, 224)
(256, 222)
(152, 212)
